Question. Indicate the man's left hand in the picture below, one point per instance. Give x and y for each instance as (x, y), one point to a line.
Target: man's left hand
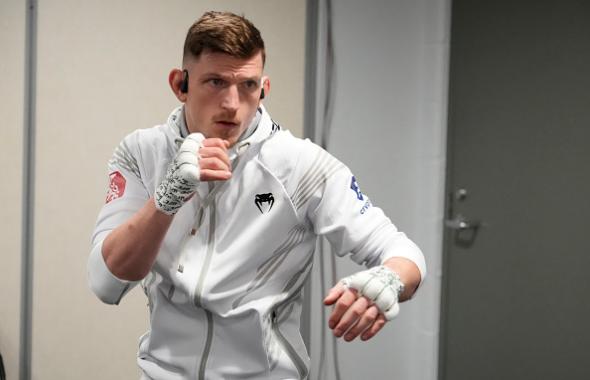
(353, 315)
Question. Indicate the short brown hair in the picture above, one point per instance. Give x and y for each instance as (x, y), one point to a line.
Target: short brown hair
(223, 32)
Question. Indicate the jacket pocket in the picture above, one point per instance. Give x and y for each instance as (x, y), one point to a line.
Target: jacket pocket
(287, 347)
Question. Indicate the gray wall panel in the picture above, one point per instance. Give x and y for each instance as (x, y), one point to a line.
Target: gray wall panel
(389, 127)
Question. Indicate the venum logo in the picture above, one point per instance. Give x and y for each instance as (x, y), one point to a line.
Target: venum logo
(264, 202)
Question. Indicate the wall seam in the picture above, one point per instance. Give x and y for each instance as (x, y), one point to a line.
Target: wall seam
(309, 118)
(28, 185)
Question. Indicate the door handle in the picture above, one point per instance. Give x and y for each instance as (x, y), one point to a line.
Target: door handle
(461, 223)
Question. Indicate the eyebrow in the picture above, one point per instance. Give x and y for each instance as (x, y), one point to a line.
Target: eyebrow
(229, 78)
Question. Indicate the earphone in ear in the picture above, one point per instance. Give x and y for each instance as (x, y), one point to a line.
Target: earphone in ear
(262, 94)
(184, 84)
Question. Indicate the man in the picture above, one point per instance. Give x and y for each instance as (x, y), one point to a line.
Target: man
(217, 212)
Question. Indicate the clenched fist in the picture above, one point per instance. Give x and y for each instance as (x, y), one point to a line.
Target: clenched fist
(198, 159)
(364, 302)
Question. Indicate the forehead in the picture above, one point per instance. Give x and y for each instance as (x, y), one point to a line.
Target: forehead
(225, 65)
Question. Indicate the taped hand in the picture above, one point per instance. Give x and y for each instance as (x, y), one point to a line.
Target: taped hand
(380, 285)
(182, 176)
(354, 313)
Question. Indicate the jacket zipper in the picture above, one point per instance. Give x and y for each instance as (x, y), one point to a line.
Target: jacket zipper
(287, 347)
(209, 202)
(208, 342)
(208, 256)
(199, 288)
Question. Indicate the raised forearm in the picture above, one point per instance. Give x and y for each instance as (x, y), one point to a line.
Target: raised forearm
(130, 250)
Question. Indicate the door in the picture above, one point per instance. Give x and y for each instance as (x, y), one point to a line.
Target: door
(516, 298)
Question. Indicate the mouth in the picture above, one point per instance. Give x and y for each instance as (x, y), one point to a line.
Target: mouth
(226, 123)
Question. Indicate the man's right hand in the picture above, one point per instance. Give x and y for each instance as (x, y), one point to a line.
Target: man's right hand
(198, 159)
(214, 161)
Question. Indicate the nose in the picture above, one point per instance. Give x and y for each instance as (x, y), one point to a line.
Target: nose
(231, 98)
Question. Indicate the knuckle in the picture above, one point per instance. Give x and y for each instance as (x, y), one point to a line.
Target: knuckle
(213, 142)
(217, 163)
(346, 302)
(206, 152)
(368, 318)
(356, 312)
(373, 312)
(340, 303)
(206, 163)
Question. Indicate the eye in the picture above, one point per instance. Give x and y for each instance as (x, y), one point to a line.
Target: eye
(216, 82)
(250, 85)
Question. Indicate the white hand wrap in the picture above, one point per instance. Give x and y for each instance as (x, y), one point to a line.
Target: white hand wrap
(379, 284)
(182, 176)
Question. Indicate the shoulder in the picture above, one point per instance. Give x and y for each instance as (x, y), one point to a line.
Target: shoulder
(281, 146)
(148, 141)
(292, 159)
(158, 136)
(140, 149)
(281, 153)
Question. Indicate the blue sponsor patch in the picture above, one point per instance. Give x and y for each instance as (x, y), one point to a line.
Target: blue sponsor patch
(355, 187)
(366, 206)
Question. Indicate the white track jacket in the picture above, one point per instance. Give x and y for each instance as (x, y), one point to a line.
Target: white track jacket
(225, 291)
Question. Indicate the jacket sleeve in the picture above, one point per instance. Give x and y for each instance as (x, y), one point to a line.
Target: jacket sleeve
(338, 210)
(126, 194)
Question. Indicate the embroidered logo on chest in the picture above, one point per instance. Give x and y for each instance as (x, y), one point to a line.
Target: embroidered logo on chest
(264, 202)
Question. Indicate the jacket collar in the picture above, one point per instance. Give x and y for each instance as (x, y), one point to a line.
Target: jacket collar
(261, 128)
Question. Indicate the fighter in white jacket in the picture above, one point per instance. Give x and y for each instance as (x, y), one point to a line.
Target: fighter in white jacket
(217, 212)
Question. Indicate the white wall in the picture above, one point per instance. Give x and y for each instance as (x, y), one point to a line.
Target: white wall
(12, 69)
(389, 127)
(102, 72)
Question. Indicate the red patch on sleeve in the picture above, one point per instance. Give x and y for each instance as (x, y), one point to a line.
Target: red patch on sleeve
(116, 186)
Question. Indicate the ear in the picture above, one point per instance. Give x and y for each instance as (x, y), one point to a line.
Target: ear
(175, 80)
(266, 86)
